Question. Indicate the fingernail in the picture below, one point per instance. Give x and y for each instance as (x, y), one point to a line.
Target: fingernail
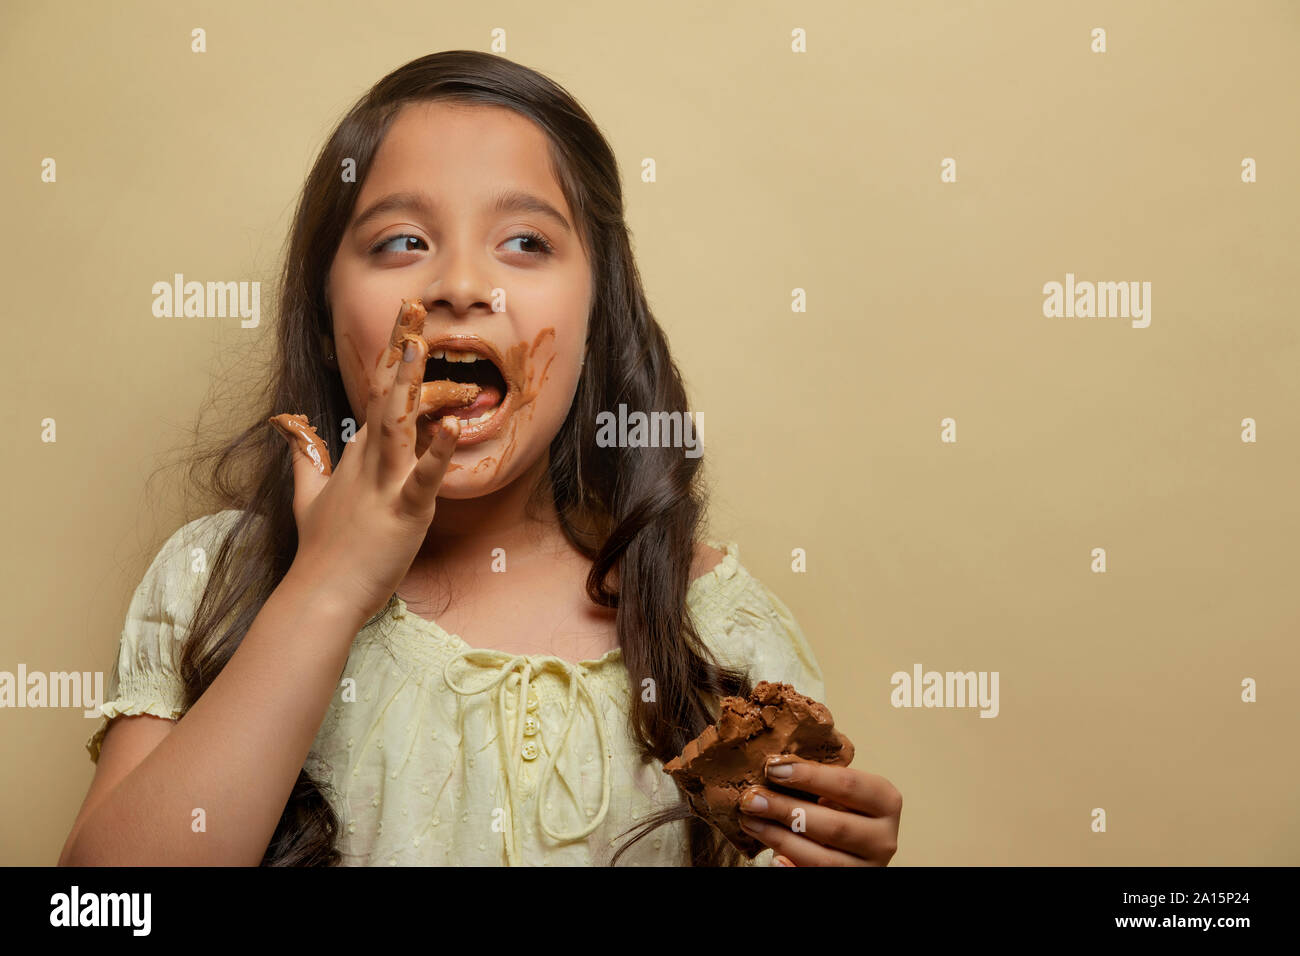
(779, 771)
(409, 354)
(780, 860)
(754, 801)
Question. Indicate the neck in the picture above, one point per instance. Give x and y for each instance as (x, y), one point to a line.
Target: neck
(465, 531)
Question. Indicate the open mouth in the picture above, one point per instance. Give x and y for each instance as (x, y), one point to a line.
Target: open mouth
(468, 368)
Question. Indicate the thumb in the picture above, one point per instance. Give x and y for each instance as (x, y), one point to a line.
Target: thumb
(311, 457)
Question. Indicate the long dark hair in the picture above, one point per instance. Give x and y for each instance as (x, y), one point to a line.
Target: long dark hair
(634, 512)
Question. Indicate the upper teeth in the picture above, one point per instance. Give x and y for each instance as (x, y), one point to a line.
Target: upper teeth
(453, 356)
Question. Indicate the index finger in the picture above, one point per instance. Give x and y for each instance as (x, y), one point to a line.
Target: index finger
(855, 790)
(409, 325)
(394, 387)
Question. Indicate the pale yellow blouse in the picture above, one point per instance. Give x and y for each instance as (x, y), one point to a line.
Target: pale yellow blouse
(437, 753)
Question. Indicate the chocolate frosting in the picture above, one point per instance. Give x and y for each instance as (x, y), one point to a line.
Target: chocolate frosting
(717, 767)
(297, 429)
(443, 394)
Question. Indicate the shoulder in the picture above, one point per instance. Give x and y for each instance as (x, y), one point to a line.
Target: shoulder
(148, 675)
(179, 567)
(164, 601)
(210, 528)
(204, 531)
(746, 624)
(715, 572)
(705, 559)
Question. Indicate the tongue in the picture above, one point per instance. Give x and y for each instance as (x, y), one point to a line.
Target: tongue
(487, 399)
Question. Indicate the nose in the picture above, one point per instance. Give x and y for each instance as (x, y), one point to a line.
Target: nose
(460, 284)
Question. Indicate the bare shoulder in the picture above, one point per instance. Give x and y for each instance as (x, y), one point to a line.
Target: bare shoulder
(705, 559)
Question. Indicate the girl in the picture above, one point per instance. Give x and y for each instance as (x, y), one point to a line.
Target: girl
(292, 685)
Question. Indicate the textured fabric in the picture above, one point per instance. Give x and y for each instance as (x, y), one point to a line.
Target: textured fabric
(437, 753)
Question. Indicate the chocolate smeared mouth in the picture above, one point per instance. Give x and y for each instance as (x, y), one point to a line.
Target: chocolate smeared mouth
(462, 377)
(469, 367)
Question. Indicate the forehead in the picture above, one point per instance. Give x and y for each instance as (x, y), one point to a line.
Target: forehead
(462, 151)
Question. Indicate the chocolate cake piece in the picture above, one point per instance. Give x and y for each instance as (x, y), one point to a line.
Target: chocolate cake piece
(718, 766)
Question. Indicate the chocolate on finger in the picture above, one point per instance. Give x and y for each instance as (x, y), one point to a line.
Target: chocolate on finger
(438, 396)
(444, 395)
(299, 431)
(410, 325)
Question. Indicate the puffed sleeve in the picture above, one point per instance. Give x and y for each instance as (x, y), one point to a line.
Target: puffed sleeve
(746, 625)
(147, 680)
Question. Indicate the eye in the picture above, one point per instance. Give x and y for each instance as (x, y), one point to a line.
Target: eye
(545, 248)
(379, 246)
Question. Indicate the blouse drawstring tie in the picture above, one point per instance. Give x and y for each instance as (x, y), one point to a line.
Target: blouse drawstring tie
(512, 754)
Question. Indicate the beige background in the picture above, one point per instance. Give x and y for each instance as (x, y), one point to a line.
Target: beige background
(776, 171)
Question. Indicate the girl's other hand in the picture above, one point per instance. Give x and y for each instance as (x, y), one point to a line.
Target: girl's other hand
(360, 528)
(853, 823)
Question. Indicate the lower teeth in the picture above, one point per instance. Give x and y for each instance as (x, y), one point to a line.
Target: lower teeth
(481, 419)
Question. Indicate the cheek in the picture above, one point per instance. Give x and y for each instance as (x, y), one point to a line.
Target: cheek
(356, 369)
(559, 382)
(548, 377)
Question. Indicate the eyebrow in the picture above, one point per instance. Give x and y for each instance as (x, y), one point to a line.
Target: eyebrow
(505, 201)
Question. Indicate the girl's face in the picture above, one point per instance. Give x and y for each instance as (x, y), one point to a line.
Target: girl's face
(460, 210)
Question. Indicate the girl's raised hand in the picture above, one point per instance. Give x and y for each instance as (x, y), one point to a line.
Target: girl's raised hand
(360, 527)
